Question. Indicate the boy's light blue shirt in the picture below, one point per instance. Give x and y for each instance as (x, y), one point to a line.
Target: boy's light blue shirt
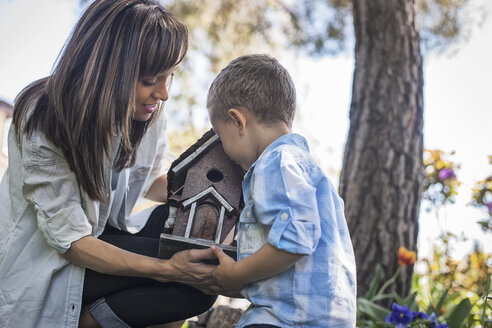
(292, 205)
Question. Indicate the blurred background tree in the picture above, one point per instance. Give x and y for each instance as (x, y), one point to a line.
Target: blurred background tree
(382, 175)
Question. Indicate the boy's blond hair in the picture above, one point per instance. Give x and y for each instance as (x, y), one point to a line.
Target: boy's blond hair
(259, 84)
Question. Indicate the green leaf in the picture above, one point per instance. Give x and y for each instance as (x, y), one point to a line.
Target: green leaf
(371, 309)
(398, 299)
(366, 324)
(409, 301)
(374, 283)
(439, 305)
(459, 314)
(392, 296)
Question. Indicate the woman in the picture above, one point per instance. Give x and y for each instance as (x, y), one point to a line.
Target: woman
(85, 143)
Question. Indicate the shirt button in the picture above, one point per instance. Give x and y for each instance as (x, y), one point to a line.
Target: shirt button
(284, 216)
(248, 214)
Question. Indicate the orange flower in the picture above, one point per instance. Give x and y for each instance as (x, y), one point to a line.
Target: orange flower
(405, 256)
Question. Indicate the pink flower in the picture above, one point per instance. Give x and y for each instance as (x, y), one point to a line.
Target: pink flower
(446, 174)
(489, 205)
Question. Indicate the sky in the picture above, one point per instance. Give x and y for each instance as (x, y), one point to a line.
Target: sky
(457, 108)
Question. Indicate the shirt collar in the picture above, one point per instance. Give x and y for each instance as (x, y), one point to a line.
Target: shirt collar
(287, 139)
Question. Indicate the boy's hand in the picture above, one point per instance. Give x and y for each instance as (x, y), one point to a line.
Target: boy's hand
(266, 262)
(225, 273)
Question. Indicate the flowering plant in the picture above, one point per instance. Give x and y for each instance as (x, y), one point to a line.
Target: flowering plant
(404, 311)
(402, 317)
(406, 257)
(451, 293)
(482, 197)
(444, 285)
(440, 183)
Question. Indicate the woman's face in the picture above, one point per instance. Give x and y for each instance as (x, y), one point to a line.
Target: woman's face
(149, 92)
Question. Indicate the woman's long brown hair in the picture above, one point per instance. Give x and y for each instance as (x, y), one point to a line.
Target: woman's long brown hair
(89, 98)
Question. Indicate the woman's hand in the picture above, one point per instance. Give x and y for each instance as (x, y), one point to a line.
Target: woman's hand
(187, 267)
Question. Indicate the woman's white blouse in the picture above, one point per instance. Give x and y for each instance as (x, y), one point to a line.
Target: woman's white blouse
(42, 211)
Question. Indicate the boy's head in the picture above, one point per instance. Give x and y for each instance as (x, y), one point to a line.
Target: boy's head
(257, 83)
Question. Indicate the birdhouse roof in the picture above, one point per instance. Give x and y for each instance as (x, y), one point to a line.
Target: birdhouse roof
(176, 172)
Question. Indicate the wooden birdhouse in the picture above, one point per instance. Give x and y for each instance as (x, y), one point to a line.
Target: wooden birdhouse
(204, 197)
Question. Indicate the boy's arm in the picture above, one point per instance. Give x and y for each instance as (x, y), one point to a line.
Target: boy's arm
(264, 263)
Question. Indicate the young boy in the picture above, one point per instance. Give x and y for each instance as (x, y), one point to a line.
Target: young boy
(295, 258)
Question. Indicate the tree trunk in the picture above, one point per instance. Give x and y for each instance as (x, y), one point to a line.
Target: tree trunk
(381, 179)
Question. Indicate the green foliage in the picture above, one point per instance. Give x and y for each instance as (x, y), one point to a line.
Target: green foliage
(437, 308)
(443, 22)
(462, 287)
(221, 30)
(318, 26)
(371, 310)
(461, 311)
(370, 314)
(485, 316)
(482, 198)
(458, 293)
(455, 290)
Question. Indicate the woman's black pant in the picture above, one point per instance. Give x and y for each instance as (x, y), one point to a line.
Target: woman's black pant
(141, 302)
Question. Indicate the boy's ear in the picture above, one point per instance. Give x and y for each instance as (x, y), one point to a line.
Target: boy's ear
(238, 119)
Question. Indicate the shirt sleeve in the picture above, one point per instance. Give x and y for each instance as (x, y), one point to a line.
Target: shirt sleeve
(159, 167)
(285, 200)
(50, 186)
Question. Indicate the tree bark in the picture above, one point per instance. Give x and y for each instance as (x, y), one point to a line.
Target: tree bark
(381, 179)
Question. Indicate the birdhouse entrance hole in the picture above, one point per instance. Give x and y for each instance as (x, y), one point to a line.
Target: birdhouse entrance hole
(215, 175)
